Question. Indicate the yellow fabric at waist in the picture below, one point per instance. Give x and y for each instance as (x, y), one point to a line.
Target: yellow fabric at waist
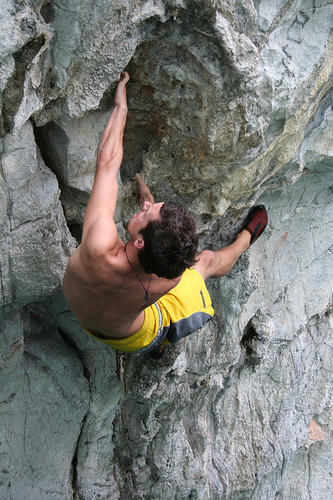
(141, 338)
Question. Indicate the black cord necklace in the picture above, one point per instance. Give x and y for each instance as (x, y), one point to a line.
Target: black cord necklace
(145, 289)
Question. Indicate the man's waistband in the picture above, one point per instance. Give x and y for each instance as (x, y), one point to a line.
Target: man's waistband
(146, 339)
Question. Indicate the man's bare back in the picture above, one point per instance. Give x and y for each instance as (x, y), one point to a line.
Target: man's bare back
(105, 289)
(106, 296)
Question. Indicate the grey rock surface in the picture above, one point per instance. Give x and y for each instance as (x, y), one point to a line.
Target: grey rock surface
(45, 398)
(35, 241)
(230, 105)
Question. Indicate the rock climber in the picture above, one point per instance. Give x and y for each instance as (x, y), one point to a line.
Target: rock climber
(150, 292)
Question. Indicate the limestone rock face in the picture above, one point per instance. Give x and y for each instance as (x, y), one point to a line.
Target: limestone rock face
(230, 105)
(35, 241)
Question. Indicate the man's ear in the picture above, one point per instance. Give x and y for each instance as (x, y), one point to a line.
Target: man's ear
(139, 243)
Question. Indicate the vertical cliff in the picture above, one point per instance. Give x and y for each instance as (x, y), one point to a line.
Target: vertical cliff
(230, 105)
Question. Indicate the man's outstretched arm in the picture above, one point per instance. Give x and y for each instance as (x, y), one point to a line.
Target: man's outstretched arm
(99, 230)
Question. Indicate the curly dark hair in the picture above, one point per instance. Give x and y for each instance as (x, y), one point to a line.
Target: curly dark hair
(170, 243)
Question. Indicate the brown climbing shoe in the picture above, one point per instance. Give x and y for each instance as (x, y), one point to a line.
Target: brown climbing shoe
(256, 222)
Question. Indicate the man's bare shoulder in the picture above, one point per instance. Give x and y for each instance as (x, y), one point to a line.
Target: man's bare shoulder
(87, 274)
(88, 267)
(101, 239)
(106, 252)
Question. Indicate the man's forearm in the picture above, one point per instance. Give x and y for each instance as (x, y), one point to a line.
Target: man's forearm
(111, 143)
(144, 191)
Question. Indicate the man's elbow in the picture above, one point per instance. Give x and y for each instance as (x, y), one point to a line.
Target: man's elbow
(109, 158)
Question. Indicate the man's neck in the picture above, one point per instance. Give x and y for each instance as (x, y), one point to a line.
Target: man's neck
(133, 256)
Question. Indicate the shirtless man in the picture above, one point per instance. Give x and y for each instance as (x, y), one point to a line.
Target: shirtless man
(150, 292)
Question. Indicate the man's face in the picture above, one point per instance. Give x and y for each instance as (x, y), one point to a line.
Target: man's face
(148, 213)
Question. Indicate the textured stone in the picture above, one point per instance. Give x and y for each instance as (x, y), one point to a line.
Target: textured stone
(93, 463)
(71, 151)
(25, 72)
(44, 400)
(230, 104)
(35, 241)
(12, 337)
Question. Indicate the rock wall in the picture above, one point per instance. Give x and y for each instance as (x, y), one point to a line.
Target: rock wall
(230, 104)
